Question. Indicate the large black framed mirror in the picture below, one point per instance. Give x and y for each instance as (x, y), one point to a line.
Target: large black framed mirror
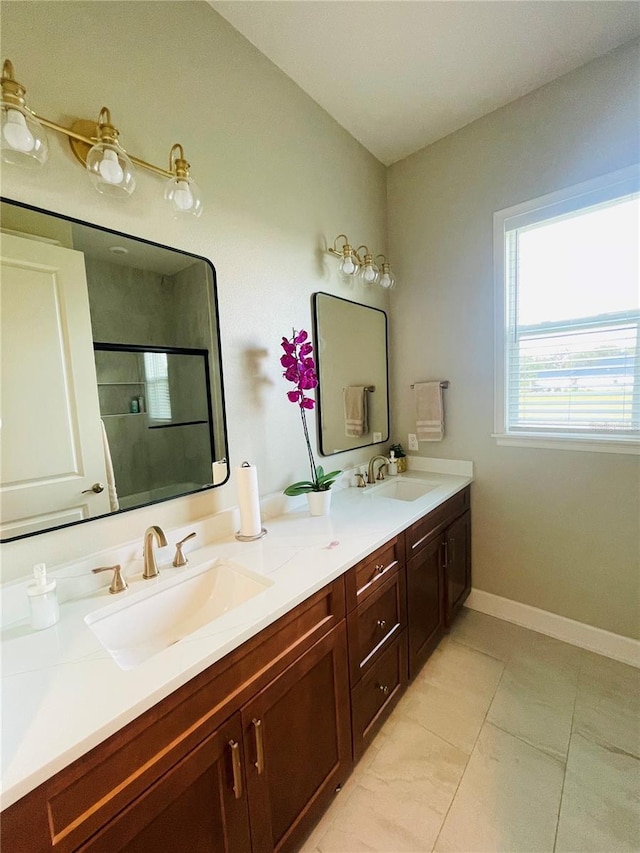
(353, 375)
(111, 394)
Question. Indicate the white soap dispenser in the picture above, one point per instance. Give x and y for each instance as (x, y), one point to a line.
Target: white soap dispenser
(43, 600)
(393, 464)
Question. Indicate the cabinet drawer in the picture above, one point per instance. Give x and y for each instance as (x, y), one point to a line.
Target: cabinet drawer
(368, 575)
(373, 698)
(375, 623)
(418, 535)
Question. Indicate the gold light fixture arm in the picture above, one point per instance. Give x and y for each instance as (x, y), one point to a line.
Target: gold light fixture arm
(86, 133)
(12, 91)
(335, 251)
(83, 134)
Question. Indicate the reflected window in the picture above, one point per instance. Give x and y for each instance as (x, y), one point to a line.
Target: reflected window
(156, 371)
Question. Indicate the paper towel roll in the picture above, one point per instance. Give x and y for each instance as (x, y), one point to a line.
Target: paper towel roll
(248, 500)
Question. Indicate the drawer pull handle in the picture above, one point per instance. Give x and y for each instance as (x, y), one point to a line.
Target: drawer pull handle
(382, 623)
(259, 762)
(237, 769)
(383, 689)
(379, 568)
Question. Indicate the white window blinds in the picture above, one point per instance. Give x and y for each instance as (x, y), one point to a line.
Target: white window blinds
(156, 371)
(571, 317)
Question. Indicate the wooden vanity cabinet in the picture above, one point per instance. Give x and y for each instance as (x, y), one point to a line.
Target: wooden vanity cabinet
(376, 621)
(200, 805)
(248, 754)
(438, 548)
(175, 763)
(457, 565)
(297, 745)
(425, 590)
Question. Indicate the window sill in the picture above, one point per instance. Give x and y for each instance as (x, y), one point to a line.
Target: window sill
(569, 442)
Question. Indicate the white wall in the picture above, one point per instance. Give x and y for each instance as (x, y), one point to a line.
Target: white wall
(280, 179)
(558, 530)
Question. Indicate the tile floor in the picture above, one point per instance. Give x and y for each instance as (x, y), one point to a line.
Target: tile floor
(507, 741)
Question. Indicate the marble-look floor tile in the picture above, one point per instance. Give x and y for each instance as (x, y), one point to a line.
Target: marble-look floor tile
(335, 841)
(400, 801)
(452, 694)
(419, 765)
(600, 808)
(508, 799)
(608, 704)
(558, 660)
(381, 816)
(487, 634)
(342, 798)
(535, 703)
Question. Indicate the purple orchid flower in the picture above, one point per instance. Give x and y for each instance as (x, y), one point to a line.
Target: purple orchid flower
(300, 369)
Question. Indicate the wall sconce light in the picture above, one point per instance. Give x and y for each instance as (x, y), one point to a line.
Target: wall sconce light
(23, 141)
(359, 264)
(387, 278)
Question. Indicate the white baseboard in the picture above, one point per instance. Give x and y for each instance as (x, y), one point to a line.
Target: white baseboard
(597, 640)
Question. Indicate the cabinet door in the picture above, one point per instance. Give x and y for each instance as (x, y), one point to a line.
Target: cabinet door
(199, 806)
(458, 564)
(425, 603)
(298, 744)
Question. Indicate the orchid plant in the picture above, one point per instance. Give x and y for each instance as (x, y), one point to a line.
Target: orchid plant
(300, 369)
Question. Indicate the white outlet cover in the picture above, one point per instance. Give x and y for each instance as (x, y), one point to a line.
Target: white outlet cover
(377, 437)
(412, 441)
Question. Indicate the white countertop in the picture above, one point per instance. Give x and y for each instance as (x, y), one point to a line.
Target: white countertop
(63, 694)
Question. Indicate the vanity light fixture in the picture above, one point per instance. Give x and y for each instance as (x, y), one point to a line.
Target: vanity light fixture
(387, 278)
(369, 272)
(358, 264)
(181, 191)
(23, 141)
(349, 261)
(109, 167)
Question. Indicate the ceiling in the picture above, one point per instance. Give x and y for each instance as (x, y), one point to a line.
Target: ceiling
(400, 74)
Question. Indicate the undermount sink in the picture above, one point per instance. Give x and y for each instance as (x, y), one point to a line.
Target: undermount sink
(403, 490)
(149, 621)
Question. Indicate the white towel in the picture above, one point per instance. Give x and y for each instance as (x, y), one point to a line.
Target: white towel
(355, 411)
(108, 464)
(429, 411)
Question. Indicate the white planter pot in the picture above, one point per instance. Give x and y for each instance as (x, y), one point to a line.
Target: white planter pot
(319, 502)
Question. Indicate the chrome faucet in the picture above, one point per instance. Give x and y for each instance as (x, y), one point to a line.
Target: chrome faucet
(371, 477)
(150, 566)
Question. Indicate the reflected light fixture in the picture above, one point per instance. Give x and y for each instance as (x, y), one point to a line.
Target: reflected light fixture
(358, 265)
(23, 141)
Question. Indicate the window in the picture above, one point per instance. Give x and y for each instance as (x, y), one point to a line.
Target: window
(156, 372)
(568, 318)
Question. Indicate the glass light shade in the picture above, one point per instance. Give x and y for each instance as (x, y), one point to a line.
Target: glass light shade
(110, 170)
(387, 279)
(369, 274)
(348, 267)
(183, 197)
(23, 140)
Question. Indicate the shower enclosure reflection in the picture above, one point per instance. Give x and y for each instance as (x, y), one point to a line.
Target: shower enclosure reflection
(156, 410)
